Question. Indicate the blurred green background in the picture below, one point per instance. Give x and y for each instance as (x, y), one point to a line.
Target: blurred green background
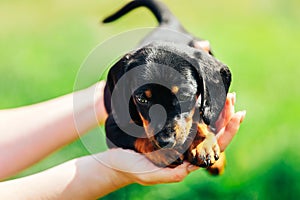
(43, 44)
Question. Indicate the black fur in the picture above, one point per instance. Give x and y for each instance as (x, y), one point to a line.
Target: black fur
(168, 45)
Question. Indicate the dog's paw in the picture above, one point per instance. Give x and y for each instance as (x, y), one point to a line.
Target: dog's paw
(219, 166)
(165, 158)
(207, 152)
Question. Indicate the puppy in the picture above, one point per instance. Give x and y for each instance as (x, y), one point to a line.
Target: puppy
(164, 98)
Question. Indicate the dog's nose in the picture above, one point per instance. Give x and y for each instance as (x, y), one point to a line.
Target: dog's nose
(162, 143)
(165, 142)
(165, 139)
(170, 131)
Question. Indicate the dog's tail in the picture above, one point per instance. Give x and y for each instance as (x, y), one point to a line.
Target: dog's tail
(160, 11)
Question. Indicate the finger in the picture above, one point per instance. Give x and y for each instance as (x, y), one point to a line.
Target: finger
(228, 132)
(171, 175)
(164, 175)
(227, 111)
(203, 44)
(192, 168)
(180, 172)
(230, 109)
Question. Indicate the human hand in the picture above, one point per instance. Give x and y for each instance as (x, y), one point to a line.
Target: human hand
(134, 167)
(228, 122)
(97, 92)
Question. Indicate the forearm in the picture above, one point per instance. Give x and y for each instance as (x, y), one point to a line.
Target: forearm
(93, 176)
(82, 178)
(30, 133)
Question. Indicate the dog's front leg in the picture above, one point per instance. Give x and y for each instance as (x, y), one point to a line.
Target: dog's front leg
(205, 151)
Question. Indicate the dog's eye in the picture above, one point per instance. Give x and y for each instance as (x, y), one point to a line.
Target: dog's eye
(141, 99)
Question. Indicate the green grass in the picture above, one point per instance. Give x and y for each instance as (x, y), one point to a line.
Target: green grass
(43, 44)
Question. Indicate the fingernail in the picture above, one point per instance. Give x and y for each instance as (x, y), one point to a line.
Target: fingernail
(191, 168)
(243, 115)
(229, 99)
(233, 98)
(227, 102)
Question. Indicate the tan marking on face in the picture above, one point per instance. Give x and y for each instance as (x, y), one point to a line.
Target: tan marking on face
(190, 117)
(175, 89)
(145, 122)
(148, 130)
(148, 93)
(183, 127)
(143, 145)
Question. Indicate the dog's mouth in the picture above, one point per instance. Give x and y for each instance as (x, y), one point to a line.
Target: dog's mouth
(166, 143)
(174, 134)
(163, 146)
(166, 140)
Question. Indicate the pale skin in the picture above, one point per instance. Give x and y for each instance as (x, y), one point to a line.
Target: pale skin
(35, 131)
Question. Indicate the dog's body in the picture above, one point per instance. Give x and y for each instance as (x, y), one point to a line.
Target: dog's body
(169, 70)
(169, 30)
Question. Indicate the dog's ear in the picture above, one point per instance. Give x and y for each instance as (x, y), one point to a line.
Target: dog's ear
(116, 93)
(118, 100)
(215, 80)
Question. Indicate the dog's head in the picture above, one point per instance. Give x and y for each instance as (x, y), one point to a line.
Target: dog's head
(189, 84)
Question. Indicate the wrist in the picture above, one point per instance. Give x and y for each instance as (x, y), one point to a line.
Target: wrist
(112, 175)
(88, 108)
(119, 178)
(97, 177)
(99, 107)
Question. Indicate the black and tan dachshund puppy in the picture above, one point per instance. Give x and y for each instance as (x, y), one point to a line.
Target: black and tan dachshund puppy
(170, 70)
